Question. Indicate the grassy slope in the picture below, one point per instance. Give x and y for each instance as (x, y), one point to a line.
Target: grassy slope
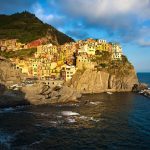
(27, 27)
(105, 63)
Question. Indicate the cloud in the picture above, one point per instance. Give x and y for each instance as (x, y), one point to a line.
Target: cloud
(97, 10)
(124, 20)
(51, 18)
(144, 43)
(121, 18)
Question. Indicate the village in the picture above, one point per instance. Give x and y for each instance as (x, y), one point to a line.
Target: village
(59, 62)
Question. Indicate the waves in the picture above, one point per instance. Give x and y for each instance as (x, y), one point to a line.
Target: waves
(120, 121)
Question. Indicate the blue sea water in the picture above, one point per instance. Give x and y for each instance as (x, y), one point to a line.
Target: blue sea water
(120, 121)
(144, 78)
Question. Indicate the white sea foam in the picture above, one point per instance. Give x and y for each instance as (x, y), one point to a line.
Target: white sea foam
(69, 113)
(71, 120)
(59, 116)
(6, 110)
(95, 120)
(73, 104)
(53, 122)
(83, 118)
(95, 103)
(44, 114)
(22, 107)
(35, 143)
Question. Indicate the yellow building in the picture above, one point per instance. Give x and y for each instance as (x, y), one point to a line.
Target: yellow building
(84, 62)
(103, 47)
(87, 48)
(46, 50)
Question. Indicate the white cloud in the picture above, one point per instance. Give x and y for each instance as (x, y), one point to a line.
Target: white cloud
(52, 19)
(109, 13)
(124, 17)
(106, 8)
(144, 43)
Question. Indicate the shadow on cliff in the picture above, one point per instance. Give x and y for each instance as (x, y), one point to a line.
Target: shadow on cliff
(11, 98)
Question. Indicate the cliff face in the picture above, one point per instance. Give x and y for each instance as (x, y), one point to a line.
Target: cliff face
(8, 75)
(93, 81)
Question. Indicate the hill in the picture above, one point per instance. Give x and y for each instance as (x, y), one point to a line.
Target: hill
(27, 27)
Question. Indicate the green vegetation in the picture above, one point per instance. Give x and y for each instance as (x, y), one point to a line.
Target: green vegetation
(21, 54)
(120, 68)
(104, 62)
(102, 58)
(27, 27)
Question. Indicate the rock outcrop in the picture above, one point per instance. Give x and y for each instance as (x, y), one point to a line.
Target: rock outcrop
(12, 98)
(93, 81)
(8, 75)
(38, 94)
(139, 87)
(43, 94)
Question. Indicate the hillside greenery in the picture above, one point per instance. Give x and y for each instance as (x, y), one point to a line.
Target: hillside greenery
(27, 27)
(118, 67)
(21, 54)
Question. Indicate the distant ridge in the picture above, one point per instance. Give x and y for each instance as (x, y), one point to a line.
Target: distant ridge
(27, 27)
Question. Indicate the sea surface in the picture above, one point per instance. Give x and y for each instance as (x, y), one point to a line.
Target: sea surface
(120, 121)
(144, 78)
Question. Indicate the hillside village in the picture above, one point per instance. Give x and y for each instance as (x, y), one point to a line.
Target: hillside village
(60, 62)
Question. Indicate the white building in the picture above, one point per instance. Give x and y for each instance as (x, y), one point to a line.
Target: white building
(68, 71)
(102, 41)
(88, 48)
(116, 51)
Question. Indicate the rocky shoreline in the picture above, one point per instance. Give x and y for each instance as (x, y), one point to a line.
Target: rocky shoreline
(41, 94)
(145, 93)
(38, 94)
(142, 89)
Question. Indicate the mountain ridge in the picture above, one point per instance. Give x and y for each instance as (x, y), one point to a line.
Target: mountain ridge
(26, 27)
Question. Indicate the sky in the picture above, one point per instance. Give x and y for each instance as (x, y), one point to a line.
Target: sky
(123, 21)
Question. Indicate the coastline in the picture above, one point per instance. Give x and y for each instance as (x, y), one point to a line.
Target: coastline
(145, 93)
(33, 95)
(8, 101)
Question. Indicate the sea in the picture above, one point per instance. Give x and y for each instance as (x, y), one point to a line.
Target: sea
(119, 121)
(144, 78)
